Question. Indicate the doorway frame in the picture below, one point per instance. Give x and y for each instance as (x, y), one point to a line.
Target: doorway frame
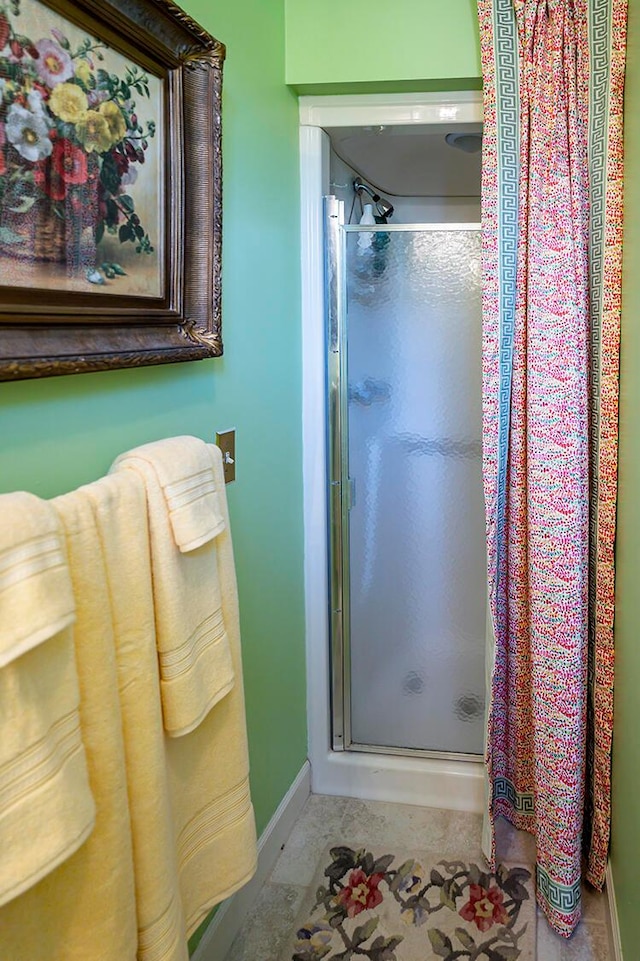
(429, 781)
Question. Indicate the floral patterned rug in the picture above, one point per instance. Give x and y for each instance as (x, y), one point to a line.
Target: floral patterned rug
(393, 907)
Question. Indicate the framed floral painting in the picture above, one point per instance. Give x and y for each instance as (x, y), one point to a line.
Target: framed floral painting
(110, 186)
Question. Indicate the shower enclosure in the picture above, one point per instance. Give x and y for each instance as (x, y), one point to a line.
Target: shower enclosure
(407, 541)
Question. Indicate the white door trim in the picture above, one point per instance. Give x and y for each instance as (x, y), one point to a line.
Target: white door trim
(363, 110)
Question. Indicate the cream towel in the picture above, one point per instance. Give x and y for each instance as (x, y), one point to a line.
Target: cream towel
(180, 466)
(46, 807)
(120, 511)
(35, 590)
(209, 771)
(85, 909)
(196, 666)
(191, 814)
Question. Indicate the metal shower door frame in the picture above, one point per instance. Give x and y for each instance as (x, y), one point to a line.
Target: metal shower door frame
(340, 488)
(338, 477)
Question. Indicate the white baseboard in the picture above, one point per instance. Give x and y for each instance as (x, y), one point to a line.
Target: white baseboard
(429, 782)
(231, 914)
(616, 942)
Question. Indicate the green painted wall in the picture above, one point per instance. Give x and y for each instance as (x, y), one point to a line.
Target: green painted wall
(407, 44)
(625, 849)
(56, 434)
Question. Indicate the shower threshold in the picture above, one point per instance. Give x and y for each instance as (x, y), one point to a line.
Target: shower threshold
(411, 752)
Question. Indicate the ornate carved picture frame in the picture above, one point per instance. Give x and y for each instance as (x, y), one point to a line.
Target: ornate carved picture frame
(110, 186)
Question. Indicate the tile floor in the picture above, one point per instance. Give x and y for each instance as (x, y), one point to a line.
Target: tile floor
(384, 825)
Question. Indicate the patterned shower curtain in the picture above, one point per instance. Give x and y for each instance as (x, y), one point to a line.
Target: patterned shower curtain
(552, 232)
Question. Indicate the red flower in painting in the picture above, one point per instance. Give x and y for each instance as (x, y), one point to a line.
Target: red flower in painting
(5, 30)
(68, 169)
(361, 892)
(484, 907)
(121, 162)
(69, 162)
(3, 139)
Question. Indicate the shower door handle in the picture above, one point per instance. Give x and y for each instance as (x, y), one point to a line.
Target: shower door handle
(351, 493)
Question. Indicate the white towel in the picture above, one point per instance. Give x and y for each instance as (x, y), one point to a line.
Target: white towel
(196, 665)
(46, 806)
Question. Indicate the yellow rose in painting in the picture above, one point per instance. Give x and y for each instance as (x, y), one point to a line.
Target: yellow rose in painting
(69, 102)
(115, 121)
(93, 132)
(84, 73)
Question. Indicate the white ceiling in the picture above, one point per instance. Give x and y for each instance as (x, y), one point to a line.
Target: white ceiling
(412, 161)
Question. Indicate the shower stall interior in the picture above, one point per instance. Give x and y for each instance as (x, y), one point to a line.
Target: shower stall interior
(405, 501)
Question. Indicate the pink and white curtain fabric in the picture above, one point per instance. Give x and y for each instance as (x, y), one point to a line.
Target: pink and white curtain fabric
(552, 233)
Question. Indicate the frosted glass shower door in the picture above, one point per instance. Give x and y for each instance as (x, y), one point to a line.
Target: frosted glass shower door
(416, 541)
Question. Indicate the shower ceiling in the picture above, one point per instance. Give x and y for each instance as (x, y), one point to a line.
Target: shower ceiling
(411, 161)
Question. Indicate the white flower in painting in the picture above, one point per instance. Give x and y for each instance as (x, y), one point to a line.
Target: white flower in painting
(36, 103)
(129, 177)
(96, 97)
(28, 132)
